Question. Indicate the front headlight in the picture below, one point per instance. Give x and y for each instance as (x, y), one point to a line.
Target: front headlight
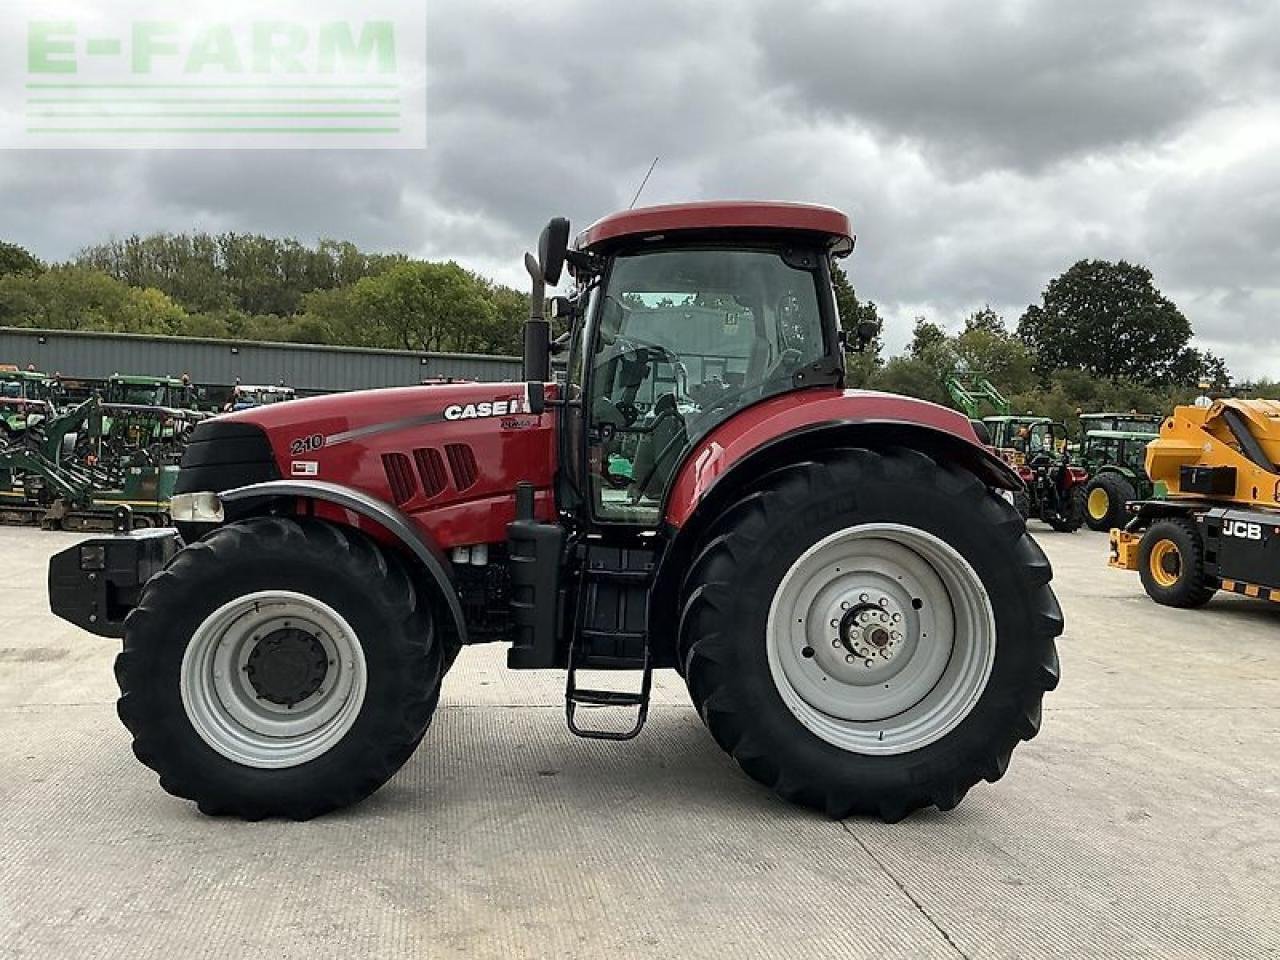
(196, 508)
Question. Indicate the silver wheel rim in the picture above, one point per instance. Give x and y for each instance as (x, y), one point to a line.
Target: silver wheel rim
(880, 639)
(233, 718)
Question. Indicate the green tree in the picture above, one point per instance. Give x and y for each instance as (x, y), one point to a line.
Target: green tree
(1109, 320)
(16, 259)
(926, 339)
(859, 367)
(985, 319)
(424, 306)
(911, 377)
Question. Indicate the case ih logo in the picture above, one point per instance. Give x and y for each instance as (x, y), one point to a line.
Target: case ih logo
(486, 408)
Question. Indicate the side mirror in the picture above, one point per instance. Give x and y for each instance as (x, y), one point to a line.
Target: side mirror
(553, 245)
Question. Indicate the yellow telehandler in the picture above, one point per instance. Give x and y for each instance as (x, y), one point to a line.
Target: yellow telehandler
(1218, 525)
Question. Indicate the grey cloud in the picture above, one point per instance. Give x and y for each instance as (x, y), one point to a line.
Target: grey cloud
(980, 148)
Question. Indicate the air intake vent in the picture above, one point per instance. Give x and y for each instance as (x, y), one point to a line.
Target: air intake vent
(430, 470)
(462, 464)
(399, 476)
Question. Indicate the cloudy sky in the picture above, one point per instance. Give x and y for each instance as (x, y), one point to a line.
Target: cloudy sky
(980, 148)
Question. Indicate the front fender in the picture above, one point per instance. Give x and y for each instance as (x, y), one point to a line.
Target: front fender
(394, 521)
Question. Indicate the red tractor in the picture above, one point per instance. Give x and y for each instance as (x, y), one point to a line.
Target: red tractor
(861, 619)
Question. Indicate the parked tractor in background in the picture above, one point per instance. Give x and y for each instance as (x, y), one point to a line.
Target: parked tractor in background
(1147, 424)
(1116, 462)
(1054, 488)
(246, 397)
(971, 392)
(26, 398)
(1218, 525)
(861, 619)
(1008, 435)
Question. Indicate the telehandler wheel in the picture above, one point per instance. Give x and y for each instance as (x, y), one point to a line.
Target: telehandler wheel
(1105, 499)
(870, 632)
(1073, 519)
(1171, 564)
(278, 667)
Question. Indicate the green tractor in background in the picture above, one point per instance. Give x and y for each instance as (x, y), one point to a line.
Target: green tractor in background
(1009, 435)
(26, 398)
(165, 406)
(1114, 449)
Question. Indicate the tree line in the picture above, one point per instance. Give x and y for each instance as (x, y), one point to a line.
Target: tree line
(1102, 335)
(251, 287)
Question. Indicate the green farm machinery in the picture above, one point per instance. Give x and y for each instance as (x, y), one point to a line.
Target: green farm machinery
(72, 472)
(1113, 449)
(26, 398)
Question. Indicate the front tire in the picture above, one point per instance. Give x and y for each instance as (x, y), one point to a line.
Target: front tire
(278, 667)
(1073, 518)
(930, 681)
(1171, 564)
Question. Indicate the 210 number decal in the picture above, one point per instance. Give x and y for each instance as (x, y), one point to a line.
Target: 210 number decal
(306, 444)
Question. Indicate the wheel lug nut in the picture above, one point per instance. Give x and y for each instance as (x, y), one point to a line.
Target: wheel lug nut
(849, 659)
(870, 663)
(835, 623)
(844, 605)
(863, 598)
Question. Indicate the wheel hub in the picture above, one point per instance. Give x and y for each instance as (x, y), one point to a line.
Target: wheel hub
(287, 666)
(869, 633)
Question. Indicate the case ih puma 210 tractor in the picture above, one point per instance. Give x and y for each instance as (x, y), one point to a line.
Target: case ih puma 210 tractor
(860, 617)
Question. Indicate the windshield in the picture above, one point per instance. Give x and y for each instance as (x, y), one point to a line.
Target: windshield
(685, 338)
(147, 395)
(12, 389)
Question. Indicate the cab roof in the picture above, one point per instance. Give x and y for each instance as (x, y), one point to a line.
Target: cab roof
(722, 215)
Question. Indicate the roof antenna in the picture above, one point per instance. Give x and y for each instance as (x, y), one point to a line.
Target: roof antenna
(643, 182)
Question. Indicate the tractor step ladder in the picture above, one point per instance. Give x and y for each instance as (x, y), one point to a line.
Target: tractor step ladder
(608, 583)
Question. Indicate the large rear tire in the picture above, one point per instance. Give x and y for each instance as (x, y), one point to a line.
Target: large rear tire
(1171, 564)
(278, 667)
(1105, 500)
(870, 633)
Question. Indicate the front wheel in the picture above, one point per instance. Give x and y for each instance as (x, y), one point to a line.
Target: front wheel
(1171, 564)
(278, 668)
(1071, 517)
(875, 649)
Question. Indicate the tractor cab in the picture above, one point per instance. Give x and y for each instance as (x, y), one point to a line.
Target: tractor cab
(672, 335)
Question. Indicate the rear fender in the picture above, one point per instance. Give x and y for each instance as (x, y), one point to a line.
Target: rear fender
(395, 522)
(697, 514)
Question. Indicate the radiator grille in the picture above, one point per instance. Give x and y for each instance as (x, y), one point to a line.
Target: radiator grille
(430, 470)
(399, 476)
(462, 464)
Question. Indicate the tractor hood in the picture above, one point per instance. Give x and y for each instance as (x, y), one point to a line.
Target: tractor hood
(448, 455)
(341, 416)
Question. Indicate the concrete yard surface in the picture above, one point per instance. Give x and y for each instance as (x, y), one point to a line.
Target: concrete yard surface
(1142, 822)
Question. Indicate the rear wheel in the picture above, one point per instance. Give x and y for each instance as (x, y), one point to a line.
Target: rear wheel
(1105, 501)
(1171, 564)
(875, 650)
(1072, 516)
(278, 668)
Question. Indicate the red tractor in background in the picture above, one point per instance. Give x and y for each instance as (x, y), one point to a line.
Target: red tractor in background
(862, 621)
